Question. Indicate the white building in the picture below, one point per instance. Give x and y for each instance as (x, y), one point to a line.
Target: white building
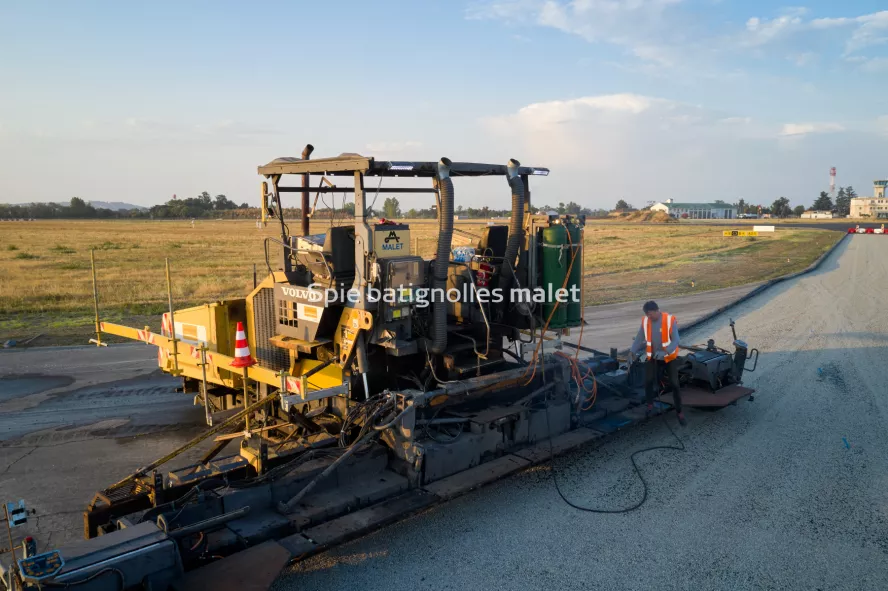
(817, 215)
(875, 206)
(697, 211)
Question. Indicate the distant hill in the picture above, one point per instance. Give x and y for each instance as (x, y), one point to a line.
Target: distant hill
(112, 205)
(116, 205)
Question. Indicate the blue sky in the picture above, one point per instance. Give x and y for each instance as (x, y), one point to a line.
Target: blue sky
(635, 99)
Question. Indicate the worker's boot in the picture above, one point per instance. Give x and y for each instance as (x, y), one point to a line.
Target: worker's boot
(681, 419)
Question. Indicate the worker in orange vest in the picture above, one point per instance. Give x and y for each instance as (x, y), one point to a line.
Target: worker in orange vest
(657, 343)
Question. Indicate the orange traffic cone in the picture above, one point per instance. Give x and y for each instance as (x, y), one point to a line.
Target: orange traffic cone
(241, 349)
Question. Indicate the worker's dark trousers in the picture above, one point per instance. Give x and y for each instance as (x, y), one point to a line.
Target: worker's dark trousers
(653, 370)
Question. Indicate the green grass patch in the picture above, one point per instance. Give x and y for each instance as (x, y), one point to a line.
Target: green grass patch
(145, 309)
(11, 247)
(26, 256)
(107, 245)
(73, 266)
(62, 249)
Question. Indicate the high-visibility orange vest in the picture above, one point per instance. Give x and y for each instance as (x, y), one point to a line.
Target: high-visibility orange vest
(666, 323)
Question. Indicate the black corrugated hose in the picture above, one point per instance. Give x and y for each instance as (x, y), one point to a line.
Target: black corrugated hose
(442, 258)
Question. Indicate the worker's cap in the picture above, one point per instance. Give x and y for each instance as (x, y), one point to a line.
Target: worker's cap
(650, 307)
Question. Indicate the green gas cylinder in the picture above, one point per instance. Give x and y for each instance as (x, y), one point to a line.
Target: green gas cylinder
(575, 308)
(556, 259)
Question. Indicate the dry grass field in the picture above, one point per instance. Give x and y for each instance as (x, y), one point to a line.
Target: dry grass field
(46, 282)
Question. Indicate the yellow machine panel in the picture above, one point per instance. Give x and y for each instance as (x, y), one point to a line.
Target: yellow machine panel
(391, 240)
(212, 324)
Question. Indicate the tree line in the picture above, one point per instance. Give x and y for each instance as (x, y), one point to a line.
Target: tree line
(391, 208)
(781, 206)
(205, 206)
(77, 208)
(202, 206)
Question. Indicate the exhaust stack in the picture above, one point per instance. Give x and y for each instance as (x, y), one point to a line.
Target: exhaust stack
(306, 154)
(442, 257)
(516, 225)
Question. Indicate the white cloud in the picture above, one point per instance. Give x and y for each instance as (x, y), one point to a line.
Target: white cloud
(867, 30)
(547, 117)
(606, 131)
(761, 31)
(795, 129)
(663, 37)
(622, 22)
(640, 26)
(874, 65)
(604, 147)
(872, 30)
(506, 10)
(656, 54)
(802, 59)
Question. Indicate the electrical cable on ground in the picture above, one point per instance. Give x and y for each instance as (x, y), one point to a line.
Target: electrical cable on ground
(679, 447)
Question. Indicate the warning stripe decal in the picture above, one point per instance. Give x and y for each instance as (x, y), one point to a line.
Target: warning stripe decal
(146, 335)
(195, 354)
(292, 385)
(165, 324)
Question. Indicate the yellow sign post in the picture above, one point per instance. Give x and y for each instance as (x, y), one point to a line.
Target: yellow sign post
(740, 233)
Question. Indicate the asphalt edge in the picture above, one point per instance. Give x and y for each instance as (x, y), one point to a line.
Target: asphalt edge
(761, 288)
(64, 347)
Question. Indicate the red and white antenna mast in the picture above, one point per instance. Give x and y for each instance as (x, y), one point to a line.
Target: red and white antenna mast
(832, 181)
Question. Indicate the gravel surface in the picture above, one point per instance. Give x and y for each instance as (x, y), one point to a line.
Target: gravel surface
(786, 492)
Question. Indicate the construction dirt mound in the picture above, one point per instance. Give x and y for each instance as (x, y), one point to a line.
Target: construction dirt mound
(659, 217)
